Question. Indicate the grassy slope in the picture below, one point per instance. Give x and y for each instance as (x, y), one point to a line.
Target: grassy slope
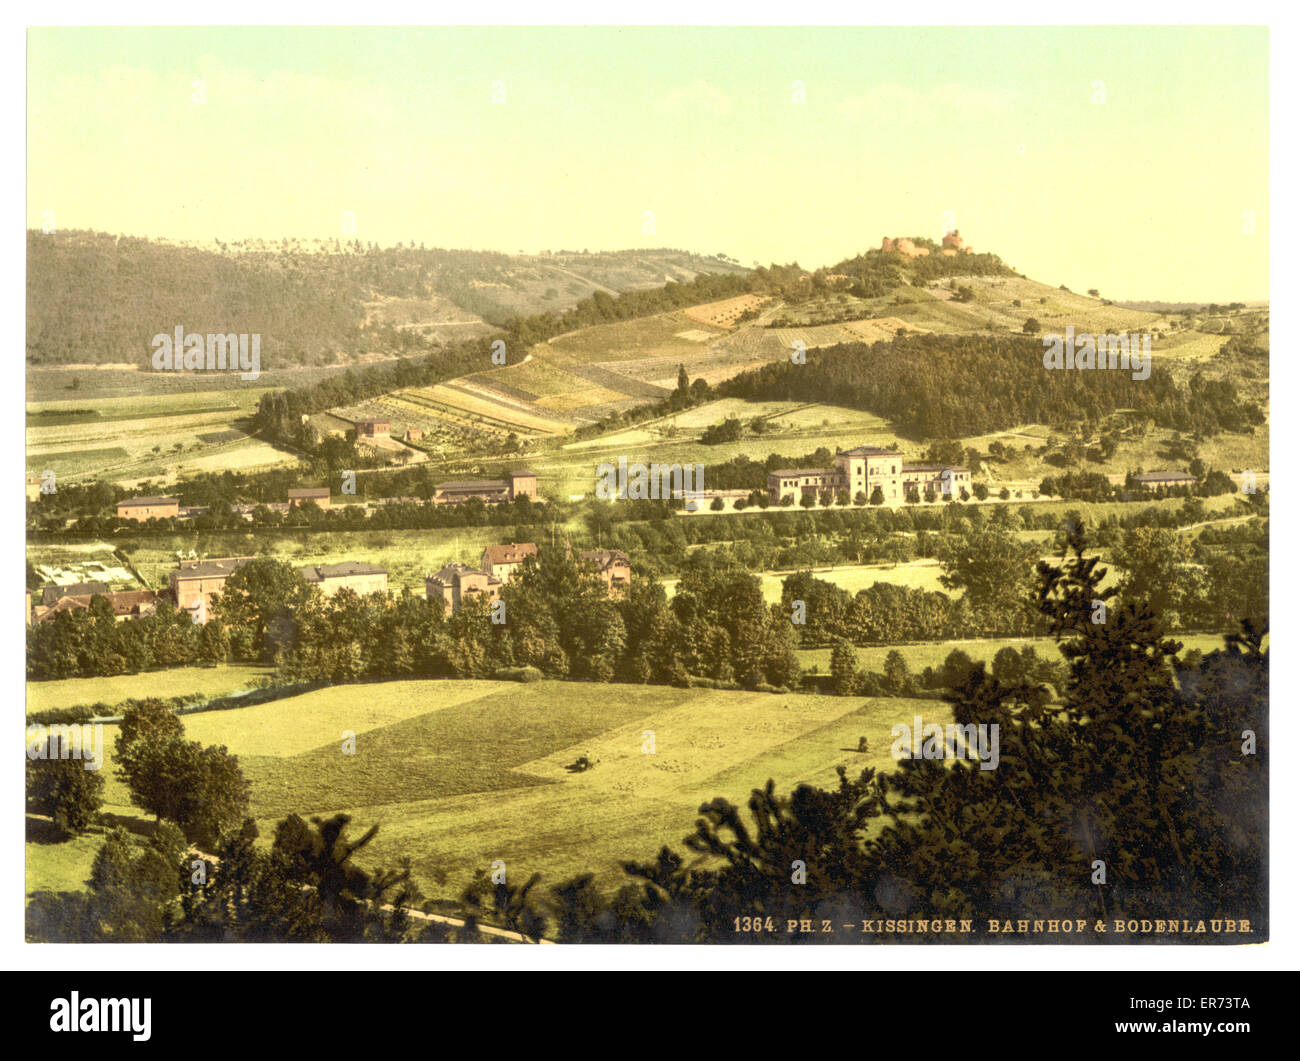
(428, 752)
(177, 681)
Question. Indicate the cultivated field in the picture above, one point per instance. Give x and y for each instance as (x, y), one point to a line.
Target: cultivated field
(724, 314)
(459, 774)
(127, 440)
(408, 555)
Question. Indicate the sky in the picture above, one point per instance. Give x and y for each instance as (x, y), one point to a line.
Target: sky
(1130, 159)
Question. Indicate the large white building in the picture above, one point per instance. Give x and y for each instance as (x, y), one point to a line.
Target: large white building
(865, 469)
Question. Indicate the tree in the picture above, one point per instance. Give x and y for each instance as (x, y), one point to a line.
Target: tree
(991, 566)
(320, 855)
(1155, 565)
(844, 667)
(897, 677)
(64, 789)
(214, 643)
(148, 727)
(199, 788)
(1031, 326)
(210, 797)
(258, 594)
(877, 496)
(514, 905)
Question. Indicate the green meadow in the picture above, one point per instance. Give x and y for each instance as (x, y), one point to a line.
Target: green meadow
(458, 774)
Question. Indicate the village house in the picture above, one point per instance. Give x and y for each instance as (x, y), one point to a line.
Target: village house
(502, 561)
(1157, 480)
(457, 583)
(373, 427)
(50, 594)
(520, 483)
(126, 604)
(612, 567)
(942, 480)
(301, 495)
(361, 578)
(194, 583)
(33, 489)
(414, 434)
(146, 508)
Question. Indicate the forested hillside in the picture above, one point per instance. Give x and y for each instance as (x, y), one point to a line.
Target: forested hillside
(949, 386)
(97, 298)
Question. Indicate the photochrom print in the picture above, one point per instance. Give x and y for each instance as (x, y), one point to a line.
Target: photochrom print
(647, 485)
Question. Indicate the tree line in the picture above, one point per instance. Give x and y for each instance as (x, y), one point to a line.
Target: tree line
(716, 628)
(950, 386)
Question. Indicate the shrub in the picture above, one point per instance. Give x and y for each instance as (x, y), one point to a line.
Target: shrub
(67, 715)
(517, 674)
(64, 789)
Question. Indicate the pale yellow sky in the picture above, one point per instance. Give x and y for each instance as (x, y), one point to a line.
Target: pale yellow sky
(1134, 160)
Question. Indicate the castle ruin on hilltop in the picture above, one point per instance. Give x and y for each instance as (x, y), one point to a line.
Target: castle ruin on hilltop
(952, 246)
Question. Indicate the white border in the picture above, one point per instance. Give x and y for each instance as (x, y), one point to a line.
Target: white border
(1282, 953)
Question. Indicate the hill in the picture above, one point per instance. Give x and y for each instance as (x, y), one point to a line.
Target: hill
(418, 335)
(97, 299)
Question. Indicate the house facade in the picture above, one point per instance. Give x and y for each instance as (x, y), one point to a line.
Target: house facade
(145, 508)
(301, 495)
(502, 561)
(491, 491)
(1156, 480)
(456, 584)
(942, 480)
(373, 427)
(863, 470)
(194, 583)
(612, 567)
(363, 579)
